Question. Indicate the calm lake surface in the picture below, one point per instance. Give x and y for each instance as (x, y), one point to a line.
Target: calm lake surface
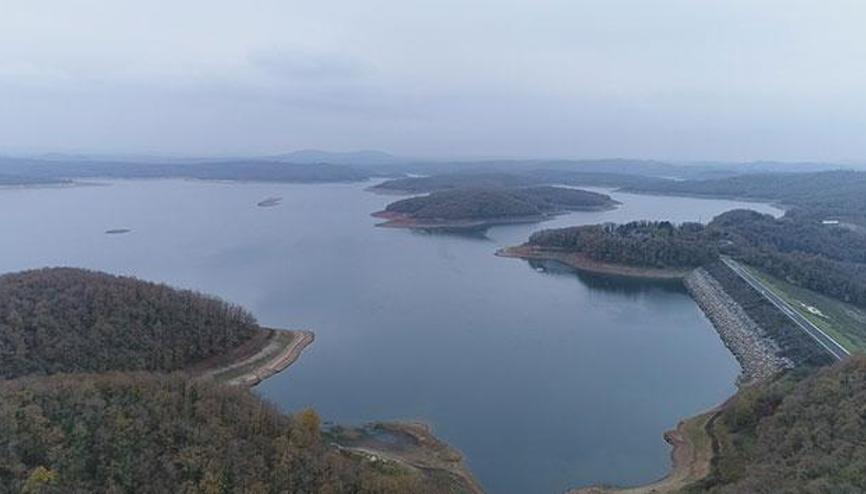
(545, 379)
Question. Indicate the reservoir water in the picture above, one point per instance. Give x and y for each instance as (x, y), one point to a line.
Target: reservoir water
(546, 379)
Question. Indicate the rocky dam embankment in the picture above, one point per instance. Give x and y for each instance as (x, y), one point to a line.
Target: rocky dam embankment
(758, 354)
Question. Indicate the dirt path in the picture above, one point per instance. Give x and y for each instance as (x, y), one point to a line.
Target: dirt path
(273, 355)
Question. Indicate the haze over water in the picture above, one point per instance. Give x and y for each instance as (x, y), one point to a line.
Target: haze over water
(545, 379)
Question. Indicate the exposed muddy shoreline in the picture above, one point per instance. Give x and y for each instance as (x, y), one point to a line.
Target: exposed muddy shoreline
(583, 263)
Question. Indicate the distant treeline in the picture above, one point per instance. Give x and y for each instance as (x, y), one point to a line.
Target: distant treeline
(29, 171)
(793, 435)
(829, 194)
(829, 259)
(149, 433)
(73, 320)
(525, 178)
(496, 202)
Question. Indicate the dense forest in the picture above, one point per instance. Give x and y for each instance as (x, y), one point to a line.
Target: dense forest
(73, 320)
(149, 433)
(794, 435)
(830, 259)
(488, 203)
(659, 244)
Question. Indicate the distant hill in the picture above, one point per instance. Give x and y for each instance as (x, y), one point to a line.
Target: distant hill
(448, 181)
(314, 156)
(73, 320)
(834, 193)
(248, 170)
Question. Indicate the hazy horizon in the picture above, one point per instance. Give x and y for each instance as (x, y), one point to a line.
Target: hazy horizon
(669, 80)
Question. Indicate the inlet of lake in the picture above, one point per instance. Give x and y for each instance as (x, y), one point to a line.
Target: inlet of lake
(546, 379)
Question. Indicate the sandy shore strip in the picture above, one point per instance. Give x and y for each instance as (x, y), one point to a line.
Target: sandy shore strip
(263, 358)
(583, 263)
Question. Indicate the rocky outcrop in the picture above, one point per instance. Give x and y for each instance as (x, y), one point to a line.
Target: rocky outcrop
(758, 354)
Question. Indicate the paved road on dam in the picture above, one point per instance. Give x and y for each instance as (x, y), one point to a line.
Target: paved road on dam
(826, 341)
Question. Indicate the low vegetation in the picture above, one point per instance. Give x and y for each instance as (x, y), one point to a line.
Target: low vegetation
(846, 323)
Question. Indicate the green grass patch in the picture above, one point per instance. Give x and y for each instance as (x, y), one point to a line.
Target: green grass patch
(846, 323)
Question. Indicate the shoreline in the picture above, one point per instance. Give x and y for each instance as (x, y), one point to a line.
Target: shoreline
(583, 263)
(722, 197)
(399, 220)
(694, 446)
(411, 445)
(403, 220)
(692, 453)
(262, 357)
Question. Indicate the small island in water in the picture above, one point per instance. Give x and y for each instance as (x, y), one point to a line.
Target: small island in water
(477, 208)
(117, 231)
(270, 202)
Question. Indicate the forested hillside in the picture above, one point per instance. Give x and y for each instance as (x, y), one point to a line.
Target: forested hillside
(149, 433)
(789, 436)
(657, 244)
(73, 320)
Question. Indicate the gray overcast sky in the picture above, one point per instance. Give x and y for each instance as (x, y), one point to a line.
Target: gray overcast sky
(667, 79)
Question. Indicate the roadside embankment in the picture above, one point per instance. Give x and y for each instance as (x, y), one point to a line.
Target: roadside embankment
(264, 356)
(583, 263)
(757, 353)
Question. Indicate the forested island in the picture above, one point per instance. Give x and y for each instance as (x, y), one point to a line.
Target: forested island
(478, 208)
(113, 384)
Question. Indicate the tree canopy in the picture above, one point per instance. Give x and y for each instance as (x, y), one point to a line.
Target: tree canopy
(73, 320)
(152, 433)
